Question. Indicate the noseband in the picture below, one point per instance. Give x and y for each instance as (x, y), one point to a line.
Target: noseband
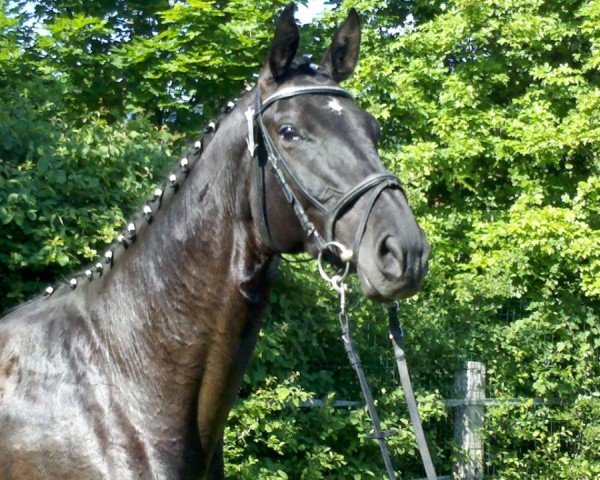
(375, 183)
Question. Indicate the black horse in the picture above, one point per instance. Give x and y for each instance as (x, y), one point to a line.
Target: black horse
(131, 369)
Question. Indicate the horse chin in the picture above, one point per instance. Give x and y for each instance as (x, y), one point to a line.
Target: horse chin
(380, 290)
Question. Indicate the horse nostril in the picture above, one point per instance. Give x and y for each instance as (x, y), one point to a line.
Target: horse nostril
(390, 258)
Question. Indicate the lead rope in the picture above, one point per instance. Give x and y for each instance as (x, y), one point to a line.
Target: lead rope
(396, 336)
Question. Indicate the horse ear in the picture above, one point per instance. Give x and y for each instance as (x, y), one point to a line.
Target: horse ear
(284, 45)
(342, 56)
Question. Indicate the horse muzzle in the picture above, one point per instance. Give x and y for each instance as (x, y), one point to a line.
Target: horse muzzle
(392, 260)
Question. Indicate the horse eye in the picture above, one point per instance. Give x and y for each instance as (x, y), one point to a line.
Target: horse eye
(288, 133)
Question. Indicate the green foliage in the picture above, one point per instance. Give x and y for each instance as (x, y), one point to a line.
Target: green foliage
(546, 442)
(300, 358)
(86, 92)
(176, 61)
(489, 114)
(65, 189)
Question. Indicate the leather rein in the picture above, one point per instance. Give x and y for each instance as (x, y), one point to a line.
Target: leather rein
(375, 183)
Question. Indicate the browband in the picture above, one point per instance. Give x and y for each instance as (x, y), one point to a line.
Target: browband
(290, 92)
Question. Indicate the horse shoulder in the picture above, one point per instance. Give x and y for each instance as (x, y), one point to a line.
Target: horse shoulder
(39, 393)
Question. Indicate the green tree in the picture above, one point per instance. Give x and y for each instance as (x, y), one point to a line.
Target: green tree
(173, 61)
(94, 98)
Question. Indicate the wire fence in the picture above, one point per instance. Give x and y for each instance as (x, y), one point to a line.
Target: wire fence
(464, 446)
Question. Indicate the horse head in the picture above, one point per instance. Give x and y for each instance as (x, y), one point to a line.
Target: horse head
(326, 182)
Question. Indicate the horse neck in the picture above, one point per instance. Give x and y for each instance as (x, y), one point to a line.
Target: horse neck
(198, 269)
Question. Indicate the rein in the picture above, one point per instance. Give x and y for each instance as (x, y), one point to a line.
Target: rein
(397, 338)
(376, 184)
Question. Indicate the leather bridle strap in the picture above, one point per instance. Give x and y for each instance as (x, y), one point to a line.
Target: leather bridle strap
(378, 182)
(375, 183)
(275, 162)
(290, 92)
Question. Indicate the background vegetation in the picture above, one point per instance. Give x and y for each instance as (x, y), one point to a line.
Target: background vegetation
(490, 114)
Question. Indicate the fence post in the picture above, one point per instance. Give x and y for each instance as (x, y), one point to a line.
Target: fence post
(468, 422)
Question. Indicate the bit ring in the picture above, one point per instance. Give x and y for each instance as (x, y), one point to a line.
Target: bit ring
(345, 255)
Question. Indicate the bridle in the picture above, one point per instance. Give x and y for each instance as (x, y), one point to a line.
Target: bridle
(375, 184)
(267, 153)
